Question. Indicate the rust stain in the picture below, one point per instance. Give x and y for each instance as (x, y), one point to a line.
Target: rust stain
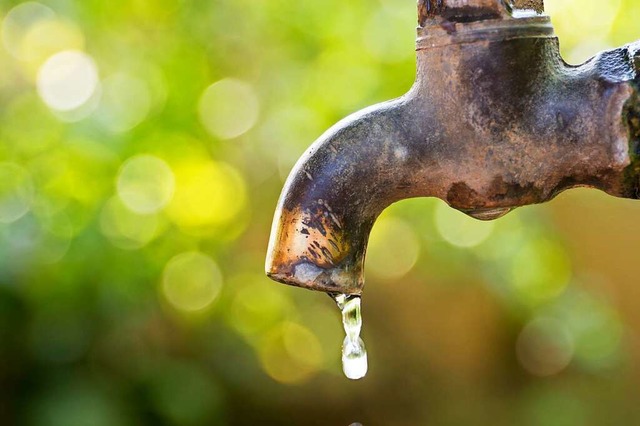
(312, 236)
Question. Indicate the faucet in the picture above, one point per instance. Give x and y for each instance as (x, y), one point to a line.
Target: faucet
(495, 120)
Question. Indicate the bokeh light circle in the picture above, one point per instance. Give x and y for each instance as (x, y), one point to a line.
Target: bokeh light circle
(145, 184)
(126, 229)
(597, 330)
(49, 36)
(393, 249)
(191, 281)
(67, 80)
(228, 108)
(291, 354)
(207, 193)
(125, 102)
(16, 191)
(459, 229)
(19, 21)
(545, 347)
(540, 271)
(257, 307)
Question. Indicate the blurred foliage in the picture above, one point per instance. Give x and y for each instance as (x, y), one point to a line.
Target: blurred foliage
(143, 145)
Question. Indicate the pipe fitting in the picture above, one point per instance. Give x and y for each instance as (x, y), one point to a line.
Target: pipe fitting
(495, 120)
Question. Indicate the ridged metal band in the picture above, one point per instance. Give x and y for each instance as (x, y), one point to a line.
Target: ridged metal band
(446, 33)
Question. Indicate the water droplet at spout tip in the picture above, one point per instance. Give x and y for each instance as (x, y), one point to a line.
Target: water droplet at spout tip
(354, 354)
(341, 299)
(354, 359)
(355, 369)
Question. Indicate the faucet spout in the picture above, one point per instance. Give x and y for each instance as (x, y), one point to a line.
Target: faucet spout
(335, 193)
(495, 120)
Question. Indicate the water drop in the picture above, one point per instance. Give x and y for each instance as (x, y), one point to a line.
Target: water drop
(354, 353)
(354, 359)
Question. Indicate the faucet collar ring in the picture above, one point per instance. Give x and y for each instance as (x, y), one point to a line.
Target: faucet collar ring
(447, 33)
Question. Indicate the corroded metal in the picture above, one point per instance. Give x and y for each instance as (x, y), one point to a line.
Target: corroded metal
(494, 121)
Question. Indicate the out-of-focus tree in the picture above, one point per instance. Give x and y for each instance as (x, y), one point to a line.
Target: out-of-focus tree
(143, 145)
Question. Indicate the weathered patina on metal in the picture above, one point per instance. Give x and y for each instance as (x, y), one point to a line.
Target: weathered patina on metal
(495, 120)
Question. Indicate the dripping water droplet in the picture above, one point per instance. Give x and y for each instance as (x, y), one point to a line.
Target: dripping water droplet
(354, 354)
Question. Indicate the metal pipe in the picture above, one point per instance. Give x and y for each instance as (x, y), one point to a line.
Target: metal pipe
(495, 120)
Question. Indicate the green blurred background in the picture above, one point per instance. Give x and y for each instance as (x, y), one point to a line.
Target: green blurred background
(143, 145)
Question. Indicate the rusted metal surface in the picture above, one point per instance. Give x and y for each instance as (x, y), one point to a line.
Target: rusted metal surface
(536, 5)
(495, 120)
(472, 10)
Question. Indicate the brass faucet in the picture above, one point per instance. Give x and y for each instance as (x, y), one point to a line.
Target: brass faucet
(495, 120)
